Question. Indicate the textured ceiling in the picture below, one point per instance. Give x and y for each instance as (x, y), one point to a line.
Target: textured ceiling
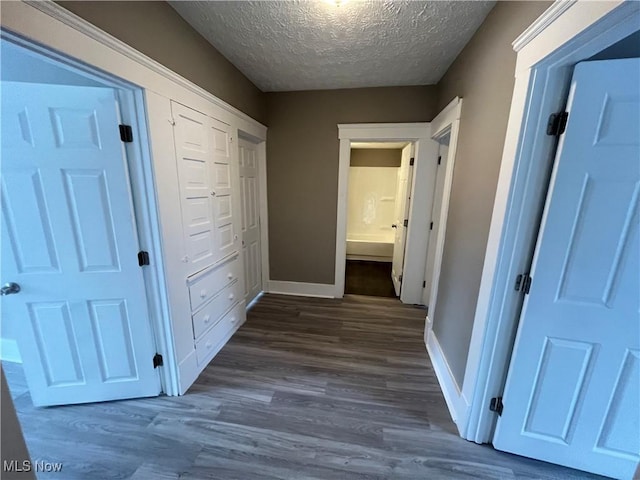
(309, 45)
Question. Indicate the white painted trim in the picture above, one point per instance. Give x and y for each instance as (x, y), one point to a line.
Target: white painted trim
(252, 303)
(189, 371)
(89, 30)
(9, 351)
(424, 171)
(443, 121)
(264, 213)
(341, 216)
(543, 73)
(143, 190)
(447, 121)
(321, 290)
(549, 16)
(453, 396)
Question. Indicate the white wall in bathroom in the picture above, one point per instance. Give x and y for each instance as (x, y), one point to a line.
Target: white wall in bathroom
(371, 202)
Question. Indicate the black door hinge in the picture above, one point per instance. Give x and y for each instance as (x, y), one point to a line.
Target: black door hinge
(431, 226)
(143, 258)
(126, 134)
(406, 222)
(424, 284)
(523, 283)
(412, 161)
(400, 278)
(439, 159)
(157, 360)
(557, 123)
(496, 405)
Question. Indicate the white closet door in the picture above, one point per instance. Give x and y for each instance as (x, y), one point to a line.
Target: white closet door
(69, 241)
(573, 391)
(250, 219)
(222, 174)
(194, 158)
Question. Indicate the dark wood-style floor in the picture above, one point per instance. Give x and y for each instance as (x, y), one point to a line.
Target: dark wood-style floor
(307, 389)
(368, 278)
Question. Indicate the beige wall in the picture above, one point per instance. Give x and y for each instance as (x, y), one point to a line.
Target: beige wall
(302, 168)
(303, 145)
(156, 29)
(376, 157)
(483, 75)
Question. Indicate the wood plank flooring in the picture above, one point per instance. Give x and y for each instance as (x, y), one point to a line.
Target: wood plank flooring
(369, 278)
(306, 389)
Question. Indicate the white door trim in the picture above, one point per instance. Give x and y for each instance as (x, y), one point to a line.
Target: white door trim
(417, 233)
(564, 35)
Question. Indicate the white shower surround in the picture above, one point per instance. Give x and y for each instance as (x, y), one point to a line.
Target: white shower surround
(371, 206)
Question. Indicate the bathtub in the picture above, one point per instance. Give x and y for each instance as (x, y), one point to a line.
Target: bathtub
(372, 247)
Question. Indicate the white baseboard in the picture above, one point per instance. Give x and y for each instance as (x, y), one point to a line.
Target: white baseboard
(321, 290)
(254, 301)
(456, 401)
(428, 325)
(188, 371)
(9, 351)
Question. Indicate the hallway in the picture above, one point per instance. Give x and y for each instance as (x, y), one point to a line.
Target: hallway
(307, 388)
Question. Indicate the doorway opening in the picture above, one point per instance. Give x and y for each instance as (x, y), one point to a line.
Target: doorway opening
(414, 230)
(377, 204)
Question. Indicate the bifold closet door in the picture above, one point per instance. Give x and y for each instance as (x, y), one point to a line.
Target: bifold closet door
(205, 178)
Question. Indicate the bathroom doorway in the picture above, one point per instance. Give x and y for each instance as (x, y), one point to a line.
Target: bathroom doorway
(377, 204)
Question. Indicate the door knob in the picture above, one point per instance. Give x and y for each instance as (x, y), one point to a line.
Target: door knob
(393, 225)
(9, 288)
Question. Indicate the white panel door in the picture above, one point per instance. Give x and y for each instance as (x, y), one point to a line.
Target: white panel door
(250, 219)
(401, 214)
(222, 170)
(443, 152)
(69, 241)
(195, 163)
(573, 390)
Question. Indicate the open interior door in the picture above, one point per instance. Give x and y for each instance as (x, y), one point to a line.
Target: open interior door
(401, 215)
(572, 395)
(73, 293)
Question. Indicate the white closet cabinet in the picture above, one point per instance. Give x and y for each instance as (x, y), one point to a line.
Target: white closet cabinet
(211, 276)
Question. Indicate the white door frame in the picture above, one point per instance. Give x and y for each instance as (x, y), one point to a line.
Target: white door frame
(426, 153)
(446, 122)
(568, 32)
(140, 173)
(261, 154)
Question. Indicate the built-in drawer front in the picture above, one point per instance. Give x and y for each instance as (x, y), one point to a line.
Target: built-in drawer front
(206, 285)
(215, 338)
(210, 314)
